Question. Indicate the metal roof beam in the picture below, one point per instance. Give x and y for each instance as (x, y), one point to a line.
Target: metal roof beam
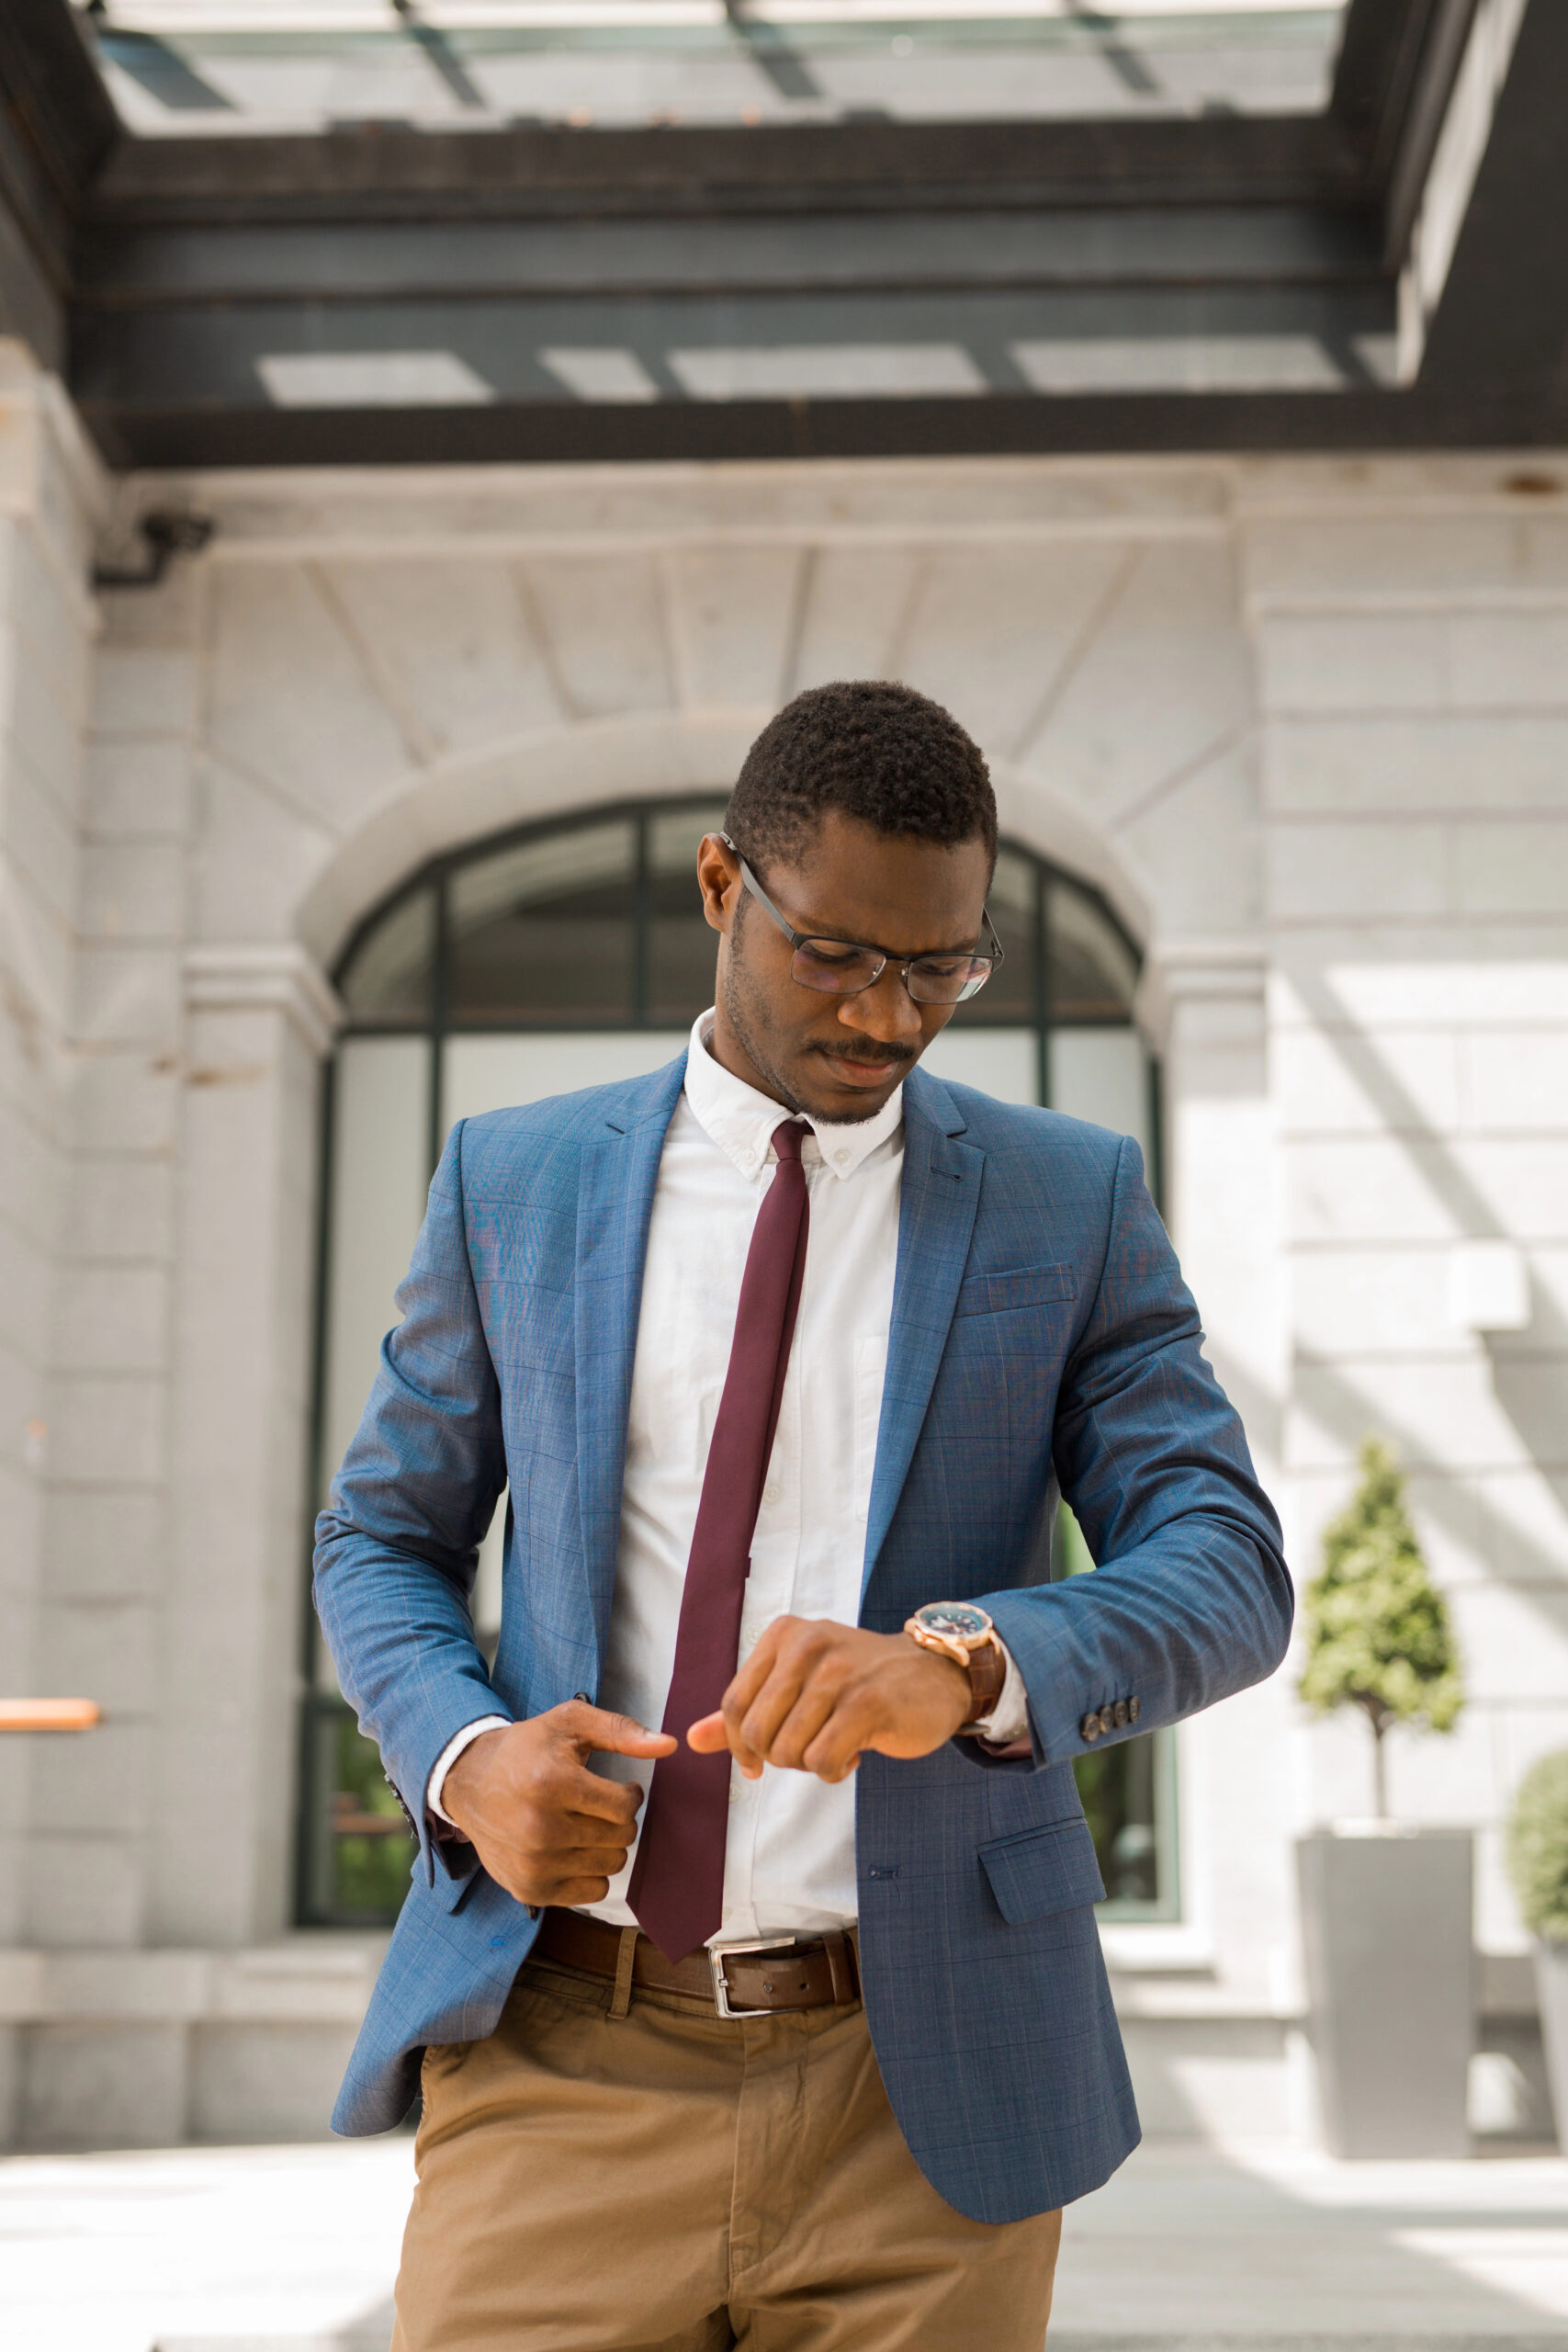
(1484, 292)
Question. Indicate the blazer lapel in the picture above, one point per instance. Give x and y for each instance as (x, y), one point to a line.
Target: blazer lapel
(940, 1194)
(617, 1173)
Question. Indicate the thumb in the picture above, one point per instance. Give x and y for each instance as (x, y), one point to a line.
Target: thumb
(613, 1735)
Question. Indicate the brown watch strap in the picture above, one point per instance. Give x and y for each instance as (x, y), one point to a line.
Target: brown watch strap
(988, 1678)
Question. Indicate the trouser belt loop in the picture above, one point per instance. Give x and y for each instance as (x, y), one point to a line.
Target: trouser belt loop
(621, 1999)
(841, 1965)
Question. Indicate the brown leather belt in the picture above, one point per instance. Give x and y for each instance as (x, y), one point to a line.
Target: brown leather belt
(815, 1972)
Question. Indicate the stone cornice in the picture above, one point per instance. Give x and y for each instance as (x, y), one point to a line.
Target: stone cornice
(240, 977)
(1238, 967)
(1178, 971)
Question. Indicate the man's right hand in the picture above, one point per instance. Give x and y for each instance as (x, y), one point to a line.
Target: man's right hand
(545, 1826)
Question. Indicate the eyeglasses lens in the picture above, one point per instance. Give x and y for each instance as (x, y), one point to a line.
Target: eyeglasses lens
(838, 970)
(950, 980)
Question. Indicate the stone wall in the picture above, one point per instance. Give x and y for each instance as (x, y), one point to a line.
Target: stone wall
(1296, 719)
(1412, 630)
(49, 498)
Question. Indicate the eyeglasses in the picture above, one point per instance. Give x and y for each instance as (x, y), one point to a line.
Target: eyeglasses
(841, 968)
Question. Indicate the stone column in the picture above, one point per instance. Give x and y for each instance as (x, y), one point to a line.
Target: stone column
(258, 1021)
(1208, 997)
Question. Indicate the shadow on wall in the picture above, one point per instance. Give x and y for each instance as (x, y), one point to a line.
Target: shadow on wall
(1529, 1404)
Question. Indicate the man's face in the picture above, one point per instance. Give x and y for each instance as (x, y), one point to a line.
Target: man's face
(838, 1057)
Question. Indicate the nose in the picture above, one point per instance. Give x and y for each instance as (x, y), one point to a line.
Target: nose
(885, 1011)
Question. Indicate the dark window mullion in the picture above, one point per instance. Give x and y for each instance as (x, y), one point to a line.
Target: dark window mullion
(439, 998)
(642, 922)
(1042, 977)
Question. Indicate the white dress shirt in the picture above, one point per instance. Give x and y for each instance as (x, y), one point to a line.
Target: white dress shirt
(789, 1858)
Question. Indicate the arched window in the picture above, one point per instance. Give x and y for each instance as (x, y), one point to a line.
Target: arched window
(573, 953)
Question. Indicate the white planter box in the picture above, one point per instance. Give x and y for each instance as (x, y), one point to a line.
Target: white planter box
(1551, 1987)
(1386, 1935)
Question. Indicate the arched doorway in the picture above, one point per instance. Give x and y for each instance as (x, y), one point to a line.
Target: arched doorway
(573, 951)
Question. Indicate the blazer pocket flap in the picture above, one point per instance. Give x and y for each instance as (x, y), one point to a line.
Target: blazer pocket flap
(1016, 1286)
(1042, 1871)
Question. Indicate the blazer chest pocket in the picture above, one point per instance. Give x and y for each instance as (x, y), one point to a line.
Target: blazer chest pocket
(1017, 1286)
(1042, 1871)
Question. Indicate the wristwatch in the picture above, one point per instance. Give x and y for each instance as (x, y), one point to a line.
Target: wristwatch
(966, 1635)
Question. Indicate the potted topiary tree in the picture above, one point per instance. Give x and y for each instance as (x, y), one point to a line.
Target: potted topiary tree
(1537, 1849)
(1385, 1905)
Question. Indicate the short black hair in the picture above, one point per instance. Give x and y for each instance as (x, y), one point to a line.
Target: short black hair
(874, 749)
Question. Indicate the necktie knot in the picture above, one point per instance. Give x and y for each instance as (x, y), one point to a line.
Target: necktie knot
(788, 1138)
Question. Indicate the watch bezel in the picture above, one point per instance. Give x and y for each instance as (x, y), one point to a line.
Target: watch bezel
(968, 1637)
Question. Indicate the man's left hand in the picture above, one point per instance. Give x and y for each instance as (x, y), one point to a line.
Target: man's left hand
(814, 1695)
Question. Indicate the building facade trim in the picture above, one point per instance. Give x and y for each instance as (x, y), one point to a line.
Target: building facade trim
(286, 979)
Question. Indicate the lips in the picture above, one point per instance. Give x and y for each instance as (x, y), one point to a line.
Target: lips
(856, 1072)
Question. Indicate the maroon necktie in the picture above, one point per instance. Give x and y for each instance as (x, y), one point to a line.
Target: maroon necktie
(677, 1882)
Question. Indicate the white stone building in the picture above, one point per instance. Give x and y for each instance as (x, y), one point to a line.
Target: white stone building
(1287, 731)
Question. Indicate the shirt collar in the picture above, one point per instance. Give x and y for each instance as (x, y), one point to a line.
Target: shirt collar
(741, 1122)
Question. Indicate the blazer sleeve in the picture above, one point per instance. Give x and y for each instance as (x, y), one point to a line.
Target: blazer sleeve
(397, 1546)
(1191, 1598)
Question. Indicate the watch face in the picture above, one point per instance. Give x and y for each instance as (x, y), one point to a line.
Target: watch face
(954, 1617)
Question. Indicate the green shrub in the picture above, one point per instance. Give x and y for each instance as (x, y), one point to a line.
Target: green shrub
(1537, 1847)
(1377, 1628)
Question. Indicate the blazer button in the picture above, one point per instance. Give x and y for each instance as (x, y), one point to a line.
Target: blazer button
(1108, 1717)
(1121, 1714)
(1135, 1710)
(1090, 1729)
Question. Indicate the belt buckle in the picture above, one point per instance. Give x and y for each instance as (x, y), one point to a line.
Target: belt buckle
(719, 1953)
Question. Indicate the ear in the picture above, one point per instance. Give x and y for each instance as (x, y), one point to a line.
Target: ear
(718, 879)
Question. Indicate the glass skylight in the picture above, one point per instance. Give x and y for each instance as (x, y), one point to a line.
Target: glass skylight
(270, 65)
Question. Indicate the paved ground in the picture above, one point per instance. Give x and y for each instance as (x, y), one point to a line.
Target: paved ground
(293, 2250)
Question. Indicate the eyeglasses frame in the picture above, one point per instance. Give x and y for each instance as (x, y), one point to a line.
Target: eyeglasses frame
(798, 939)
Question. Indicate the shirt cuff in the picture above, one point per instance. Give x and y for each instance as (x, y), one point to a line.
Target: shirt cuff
(1008, 1720)
(450, 1753)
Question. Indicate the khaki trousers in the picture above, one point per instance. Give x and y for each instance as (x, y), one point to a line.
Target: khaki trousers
(667, 2180)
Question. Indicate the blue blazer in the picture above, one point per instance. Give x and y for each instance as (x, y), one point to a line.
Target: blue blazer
(1040, 1333)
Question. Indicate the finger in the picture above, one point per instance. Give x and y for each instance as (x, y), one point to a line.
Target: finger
(801, 1726)
(711, 1733)
(557, 1833)
(592, 1861)
(708, 1734)
(578, 1793)
(758, 1725)
(749, 1679)
(538, 1887)
(611, 1735)
(836, 1749)
(572, 1857)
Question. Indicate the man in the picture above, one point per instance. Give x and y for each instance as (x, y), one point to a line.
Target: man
(781, 1355)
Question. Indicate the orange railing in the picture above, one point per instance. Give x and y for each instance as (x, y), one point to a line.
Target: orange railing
(48, 1714)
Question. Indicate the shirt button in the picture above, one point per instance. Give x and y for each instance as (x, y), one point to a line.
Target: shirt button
(771, 1491)
(840, 1157)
